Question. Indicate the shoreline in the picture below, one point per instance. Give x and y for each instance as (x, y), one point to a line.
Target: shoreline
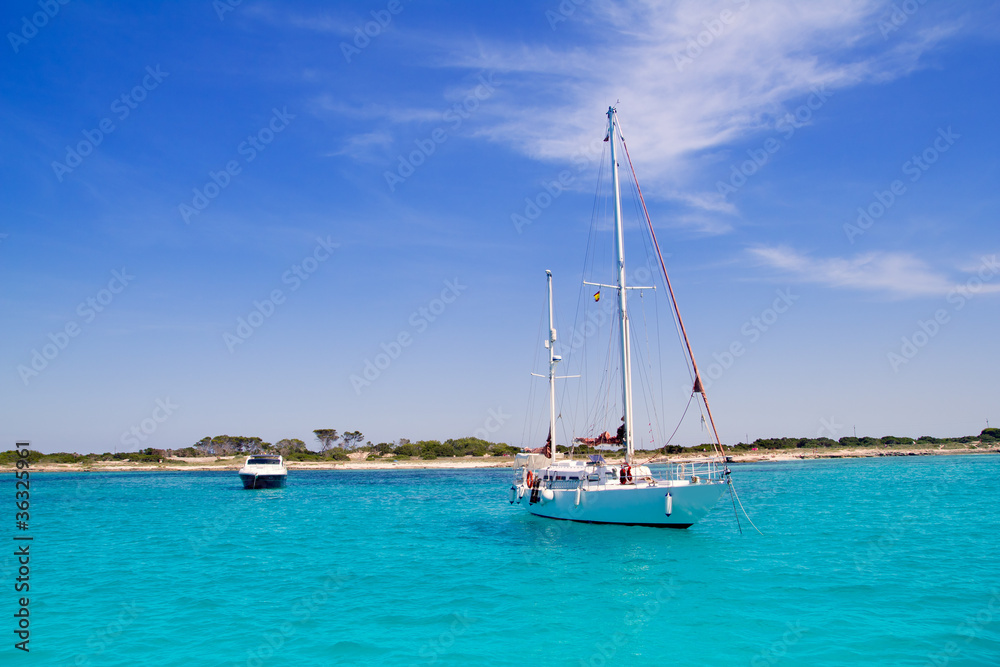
(208, 463)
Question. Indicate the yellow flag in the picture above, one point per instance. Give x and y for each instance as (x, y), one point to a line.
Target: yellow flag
(597, 296)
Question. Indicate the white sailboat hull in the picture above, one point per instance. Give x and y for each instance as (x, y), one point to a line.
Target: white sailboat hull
(633, 505)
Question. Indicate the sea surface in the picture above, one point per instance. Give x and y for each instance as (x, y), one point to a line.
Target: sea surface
(891, 561)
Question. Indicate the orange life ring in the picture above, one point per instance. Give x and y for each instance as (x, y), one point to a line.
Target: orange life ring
(530, 479)
(627, 474)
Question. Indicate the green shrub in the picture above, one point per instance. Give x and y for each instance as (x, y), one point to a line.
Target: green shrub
(304, 456)
(435, 447)
(469, 446)
(338, 454)
(407, 450)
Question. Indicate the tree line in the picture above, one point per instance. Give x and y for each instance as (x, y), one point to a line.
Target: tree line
(331, 446)
(338, 447)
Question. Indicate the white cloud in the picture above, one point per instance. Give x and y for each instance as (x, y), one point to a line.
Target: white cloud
(330, 104)
(325, 23)
(692, 77)
(900, 275)
(279, 15)
(762, 62)
(367, 147)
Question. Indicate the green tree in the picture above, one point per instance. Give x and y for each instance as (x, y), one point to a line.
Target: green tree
(327, 437)
(287, 446)
(228, 445)
(469, 446)
(407, 449)
(435, 448)
(352, 438)
(502, 449)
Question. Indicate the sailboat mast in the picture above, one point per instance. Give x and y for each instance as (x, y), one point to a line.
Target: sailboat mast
(553, 360)
(622, 290)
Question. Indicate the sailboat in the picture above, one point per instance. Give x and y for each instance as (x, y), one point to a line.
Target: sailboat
(626, 492)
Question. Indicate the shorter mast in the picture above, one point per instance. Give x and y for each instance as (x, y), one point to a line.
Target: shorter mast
(550, 344)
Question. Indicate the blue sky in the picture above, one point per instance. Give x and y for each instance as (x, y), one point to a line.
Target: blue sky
(168, 168)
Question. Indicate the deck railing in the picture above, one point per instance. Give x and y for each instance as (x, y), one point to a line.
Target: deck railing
(694, 471)
(708, 470)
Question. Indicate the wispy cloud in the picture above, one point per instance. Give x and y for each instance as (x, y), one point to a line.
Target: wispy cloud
(325, 24)
(394, 114)
(899, 275)
(693, 77)
(279, 15)
(768, 54)
(766, 57)
(367, 147)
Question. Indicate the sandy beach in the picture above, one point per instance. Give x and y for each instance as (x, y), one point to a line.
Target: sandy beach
(357, 461)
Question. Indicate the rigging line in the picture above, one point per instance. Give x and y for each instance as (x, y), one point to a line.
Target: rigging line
(601, 406)
(648, 255)
(657, 334)
(646, 240)
(604, 388)
(608, 378)
(735, 513)
(643, 366)
(581, 316)
(529, 418)
(732, 487)
(698, 385)
(636, 197)
(659, 355)
(679, 422)
(590, 261)
(651, 398)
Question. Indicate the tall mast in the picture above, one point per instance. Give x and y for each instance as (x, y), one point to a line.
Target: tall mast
(553, 360)
(622, 313)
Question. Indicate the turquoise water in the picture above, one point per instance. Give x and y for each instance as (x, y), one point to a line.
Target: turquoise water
(869, 561)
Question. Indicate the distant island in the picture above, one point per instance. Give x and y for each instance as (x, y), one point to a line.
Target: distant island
(347, 451)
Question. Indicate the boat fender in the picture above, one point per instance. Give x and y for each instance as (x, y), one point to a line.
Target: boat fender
(513, 494)
(669, 503)
(533, 498)
(547, 494)
(579, 492)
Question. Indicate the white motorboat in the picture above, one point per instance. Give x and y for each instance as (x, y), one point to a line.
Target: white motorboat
(263, 471)
(594, 490)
